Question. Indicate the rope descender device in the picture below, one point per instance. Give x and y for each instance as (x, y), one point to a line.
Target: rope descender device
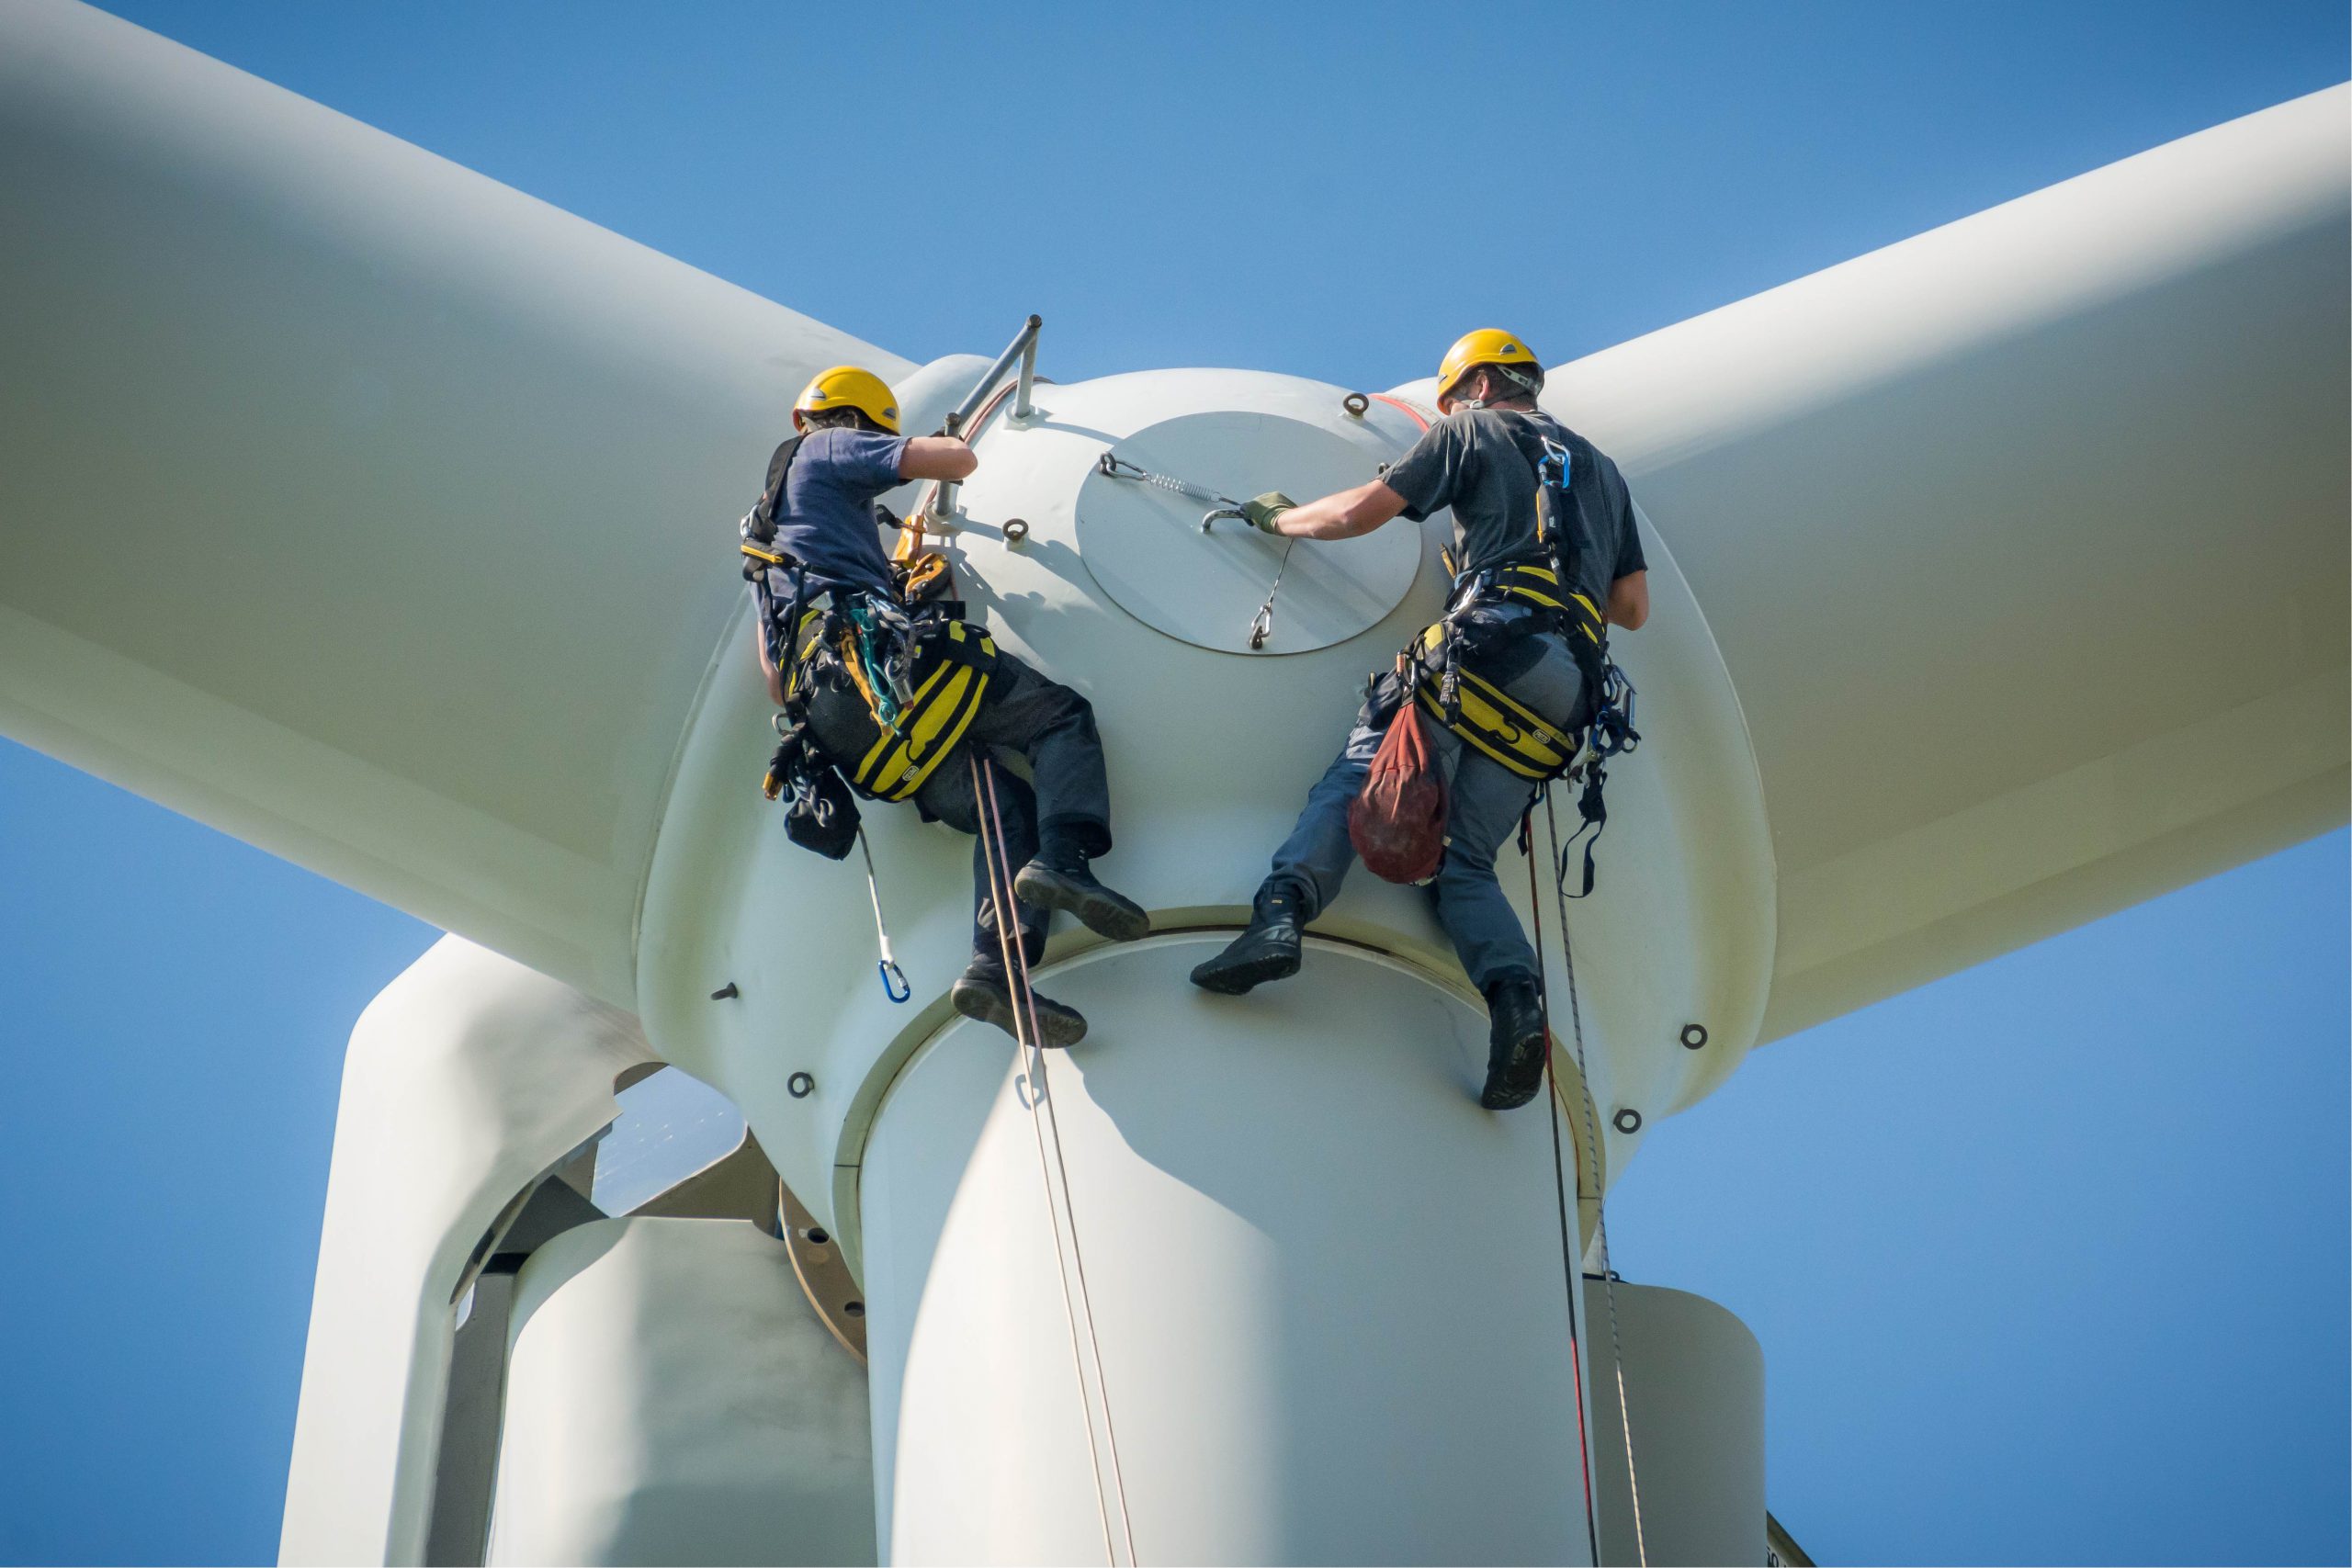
(894, 979)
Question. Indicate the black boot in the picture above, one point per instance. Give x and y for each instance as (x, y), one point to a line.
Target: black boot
(983, 993)
(1060, 878)
(1516, 1041)
(1268, 949)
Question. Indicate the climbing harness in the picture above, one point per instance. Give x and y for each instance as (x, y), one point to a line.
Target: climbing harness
(894, 979)
(1027, 1042)
(1592, 1136)
(1115, 467)
(911, 738)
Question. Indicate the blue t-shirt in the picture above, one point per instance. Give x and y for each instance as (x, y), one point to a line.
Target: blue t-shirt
(825, 515)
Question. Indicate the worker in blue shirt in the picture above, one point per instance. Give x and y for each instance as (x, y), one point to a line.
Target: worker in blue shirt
(855, 626)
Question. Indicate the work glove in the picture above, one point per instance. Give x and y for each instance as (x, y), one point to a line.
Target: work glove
(1262, 511)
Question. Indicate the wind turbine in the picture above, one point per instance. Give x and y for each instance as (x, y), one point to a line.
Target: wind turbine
(452, 472)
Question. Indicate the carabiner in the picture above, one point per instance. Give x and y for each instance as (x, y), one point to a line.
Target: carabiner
(894, 981)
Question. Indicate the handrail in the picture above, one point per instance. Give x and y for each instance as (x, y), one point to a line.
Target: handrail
(1023, 347)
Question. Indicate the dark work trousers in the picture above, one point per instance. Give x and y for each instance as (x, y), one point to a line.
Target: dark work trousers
(1484, 803)
(1052, 727)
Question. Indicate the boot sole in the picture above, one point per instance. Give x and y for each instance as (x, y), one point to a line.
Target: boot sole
(1242, 976)
(1508, 1096)
(1099, 909)
(1514, 1084)
(1055, 1028)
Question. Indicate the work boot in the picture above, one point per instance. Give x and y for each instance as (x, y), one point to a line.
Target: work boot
(1065, 882)
(1516, 1041)
(983, 993)
(1267, 949)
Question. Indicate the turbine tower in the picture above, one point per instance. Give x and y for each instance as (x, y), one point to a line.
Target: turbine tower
(2000, 582)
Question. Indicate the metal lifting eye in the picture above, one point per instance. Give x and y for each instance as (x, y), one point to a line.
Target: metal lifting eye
(1016, 529)
(800, 1086)
(1628, 1120)
(1355, 404)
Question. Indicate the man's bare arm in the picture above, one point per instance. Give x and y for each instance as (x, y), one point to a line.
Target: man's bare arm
(1629, 601)
(768, 668)
(1342, 515)
(937, 457)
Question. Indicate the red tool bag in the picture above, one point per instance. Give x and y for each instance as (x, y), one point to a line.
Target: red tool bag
(1398, 821)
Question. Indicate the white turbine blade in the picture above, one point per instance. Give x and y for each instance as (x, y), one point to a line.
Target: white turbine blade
(353, 503)
(2025, 544)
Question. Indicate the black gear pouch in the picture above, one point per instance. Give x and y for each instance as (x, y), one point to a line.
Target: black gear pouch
(820, 813)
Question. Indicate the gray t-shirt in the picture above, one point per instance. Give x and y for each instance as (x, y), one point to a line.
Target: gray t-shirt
(1481, 462)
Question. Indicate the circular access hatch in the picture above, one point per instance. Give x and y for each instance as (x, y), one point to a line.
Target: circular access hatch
(1146, 548)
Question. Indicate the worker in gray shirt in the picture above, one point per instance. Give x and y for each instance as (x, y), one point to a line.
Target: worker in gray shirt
(1515, 621)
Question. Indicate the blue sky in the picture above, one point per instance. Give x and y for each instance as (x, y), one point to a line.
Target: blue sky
(2049, 1259)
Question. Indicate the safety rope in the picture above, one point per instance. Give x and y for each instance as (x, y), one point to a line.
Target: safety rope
(1029, 1043)
(1599, 1200)
(1569, 1271)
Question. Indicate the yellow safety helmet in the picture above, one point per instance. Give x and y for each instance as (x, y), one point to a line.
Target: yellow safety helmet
(1487, 345)
(848, 386)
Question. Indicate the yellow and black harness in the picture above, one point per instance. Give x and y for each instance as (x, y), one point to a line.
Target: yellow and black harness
(1486, 717)
(1480, 711)
(941, 664)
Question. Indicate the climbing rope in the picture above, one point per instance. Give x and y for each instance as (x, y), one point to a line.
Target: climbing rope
(1568, 1269)
(1599, 1201)
(1028, 1041)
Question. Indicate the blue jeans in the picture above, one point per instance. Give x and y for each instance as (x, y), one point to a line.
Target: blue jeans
(1485, 802)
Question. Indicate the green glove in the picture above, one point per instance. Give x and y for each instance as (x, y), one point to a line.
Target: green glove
(1262, 511)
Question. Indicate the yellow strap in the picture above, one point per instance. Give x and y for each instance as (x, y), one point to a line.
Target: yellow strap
(914, 705)
(940, 720)
(1472, 737)
(1501, 727)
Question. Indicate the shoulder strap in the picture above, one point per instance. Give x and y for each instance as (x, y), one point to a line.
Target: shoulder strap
(762, 518)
